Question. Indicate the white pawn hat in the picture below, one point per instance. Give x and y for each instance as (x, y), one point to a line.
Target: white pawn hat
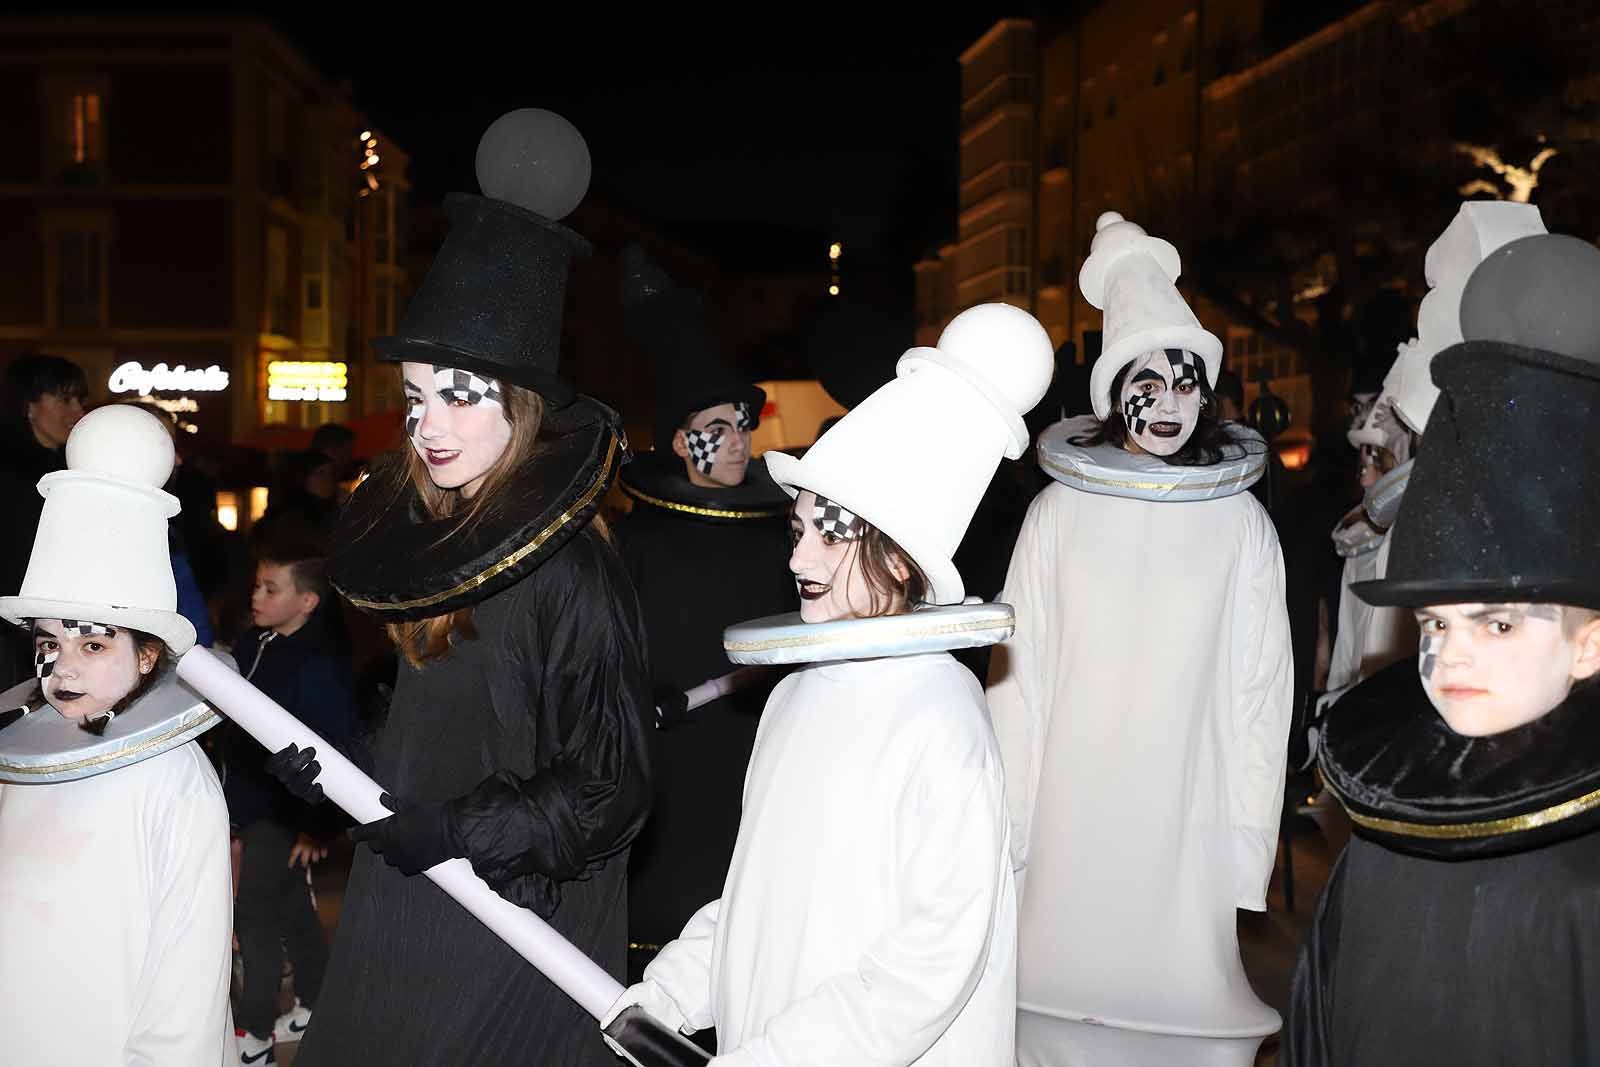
(1480, 227)
(100, 554)
(1130, 276)
(915, 457)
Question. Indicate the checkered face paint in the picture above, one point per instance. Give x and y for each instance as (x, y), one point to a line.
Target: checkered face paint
(703, 447)
(456, 423)
(716, 445)
(1160, 400)
(84, 668)
(1488, 668)
(826, 539)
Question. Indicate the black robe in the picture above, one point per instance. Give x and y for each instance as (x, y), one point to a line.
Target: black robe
(1462, 925)
(697, 574)
(552, 699)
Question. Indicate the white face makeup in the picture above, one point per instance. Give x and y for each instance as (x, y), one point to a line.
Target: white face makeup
(1160, 400)
(456, 422)
(85, 668)
(827, 542)
(716, 446)
(1488, 668)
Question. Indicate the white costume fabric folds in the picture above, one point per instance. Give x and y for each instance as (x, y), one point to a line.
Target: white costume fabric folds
(118, 911)
(869, 916)
(1142, 710)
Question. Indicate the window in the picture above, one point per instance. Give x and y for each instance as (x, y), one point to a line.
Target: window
(1161, 75)
(381, 315)
(77, 129)
(1111, 107)
(313, 294)
(279, 319)
(77, 245)
(1016, 283)
(1016, 247)
(78, 280)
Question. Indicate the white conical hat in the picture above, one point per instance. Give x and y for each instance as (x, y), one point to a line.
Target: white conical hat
(1129, 275)
(1480, 227)
(915, 457)
(100, 553)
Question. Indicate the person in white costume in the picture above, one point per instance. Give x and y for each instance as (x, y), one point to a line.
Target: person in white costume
(869, 915)
(1144, 704)
(1370, 638)
(115, 897)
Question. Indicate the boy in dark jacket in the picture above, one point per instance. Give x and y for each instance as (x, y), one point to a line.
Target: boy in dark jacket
(290, 655)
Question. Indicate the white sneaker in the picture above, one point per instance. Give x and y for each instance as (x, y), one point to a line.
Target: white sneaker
(254, 1051)
(291, 1025)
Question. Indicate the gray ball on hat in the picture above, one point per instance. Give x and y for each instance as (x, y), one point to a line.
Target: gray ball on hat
(534, 159)
(1540, 292)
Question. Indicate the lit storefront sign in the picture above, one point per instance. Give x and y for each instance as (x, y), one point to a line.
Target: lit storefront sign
(132, 377)
(296, 380)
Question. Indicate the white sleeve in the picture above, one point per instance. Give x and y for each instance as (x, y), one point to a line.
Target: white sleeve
(181, 1016)
(677, 983)
(1263, 706)
(911, 982)
(1021, 678)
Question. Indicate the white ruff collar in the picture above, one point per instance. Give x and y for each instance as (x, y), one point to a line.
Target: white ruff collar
(45, 746)
(1112, 471)
(787, 639)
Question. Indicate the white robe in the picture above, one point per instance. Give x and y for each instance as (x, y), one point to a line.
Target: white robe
(1369, 638)
(1142, 710)
(869, 916)
(116, 910)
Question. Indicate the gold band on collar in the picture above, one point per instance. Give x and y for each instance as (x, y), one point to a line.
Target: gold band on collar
(1463, 831)
(690, 509)
(600, 479)
(807, 640)
(121, 753)
(1118, 483)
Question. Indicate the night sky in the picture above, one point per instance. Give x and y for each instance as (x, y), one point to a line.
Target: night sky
(754, 114)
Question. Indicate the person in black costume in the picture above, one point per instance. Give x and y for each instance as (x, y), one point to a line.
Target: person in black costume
(1462, 923)
(706, 545)
(518, 732)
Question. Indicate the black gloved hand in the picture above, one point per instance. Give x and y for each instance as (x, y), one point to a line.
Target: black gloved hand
(298, 771)
(414, 838)
(672, 707)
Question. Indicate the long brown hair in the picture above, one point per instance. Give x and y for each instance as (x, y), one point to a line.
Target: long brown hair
(422, 640)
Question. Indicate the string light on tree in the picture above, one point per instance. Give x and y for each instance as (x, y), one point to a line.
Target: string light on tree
(367, 145)
(835, 250)
(1522, 180)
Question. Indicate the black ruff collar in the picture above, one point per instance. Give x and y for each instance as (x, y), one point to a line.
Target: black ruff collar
(392, 561)
(1411, 783)
(656, 479)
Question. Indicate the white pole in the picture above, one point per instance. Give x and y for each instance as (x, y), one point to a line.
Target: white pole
(556, 958)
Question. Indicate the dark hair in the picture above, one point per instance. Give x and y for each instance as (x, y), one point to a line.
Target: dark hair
(33, 375)
(1204, 447)
(142, 642)
(332, 435)
(876, 558)
(308, 572)
(1229, 387)
(296, 468)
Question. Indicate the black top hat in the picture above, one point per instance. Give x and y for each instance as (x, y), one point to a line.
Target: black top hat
(1504, 500)
(670, 323)
(492, 300)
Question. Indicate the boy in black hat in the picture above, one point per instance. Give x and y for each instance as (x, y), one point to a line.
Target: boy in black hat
(706, 545)
(1460, 925)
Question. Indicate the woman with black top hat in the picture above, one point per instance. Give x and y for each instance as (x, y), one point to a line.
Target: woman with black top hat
(517, 732)
(706, 545)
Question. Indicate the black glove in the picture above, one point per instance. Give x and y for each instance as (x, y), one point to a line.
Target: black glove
(672, 707)
(414, 838)
(297, 771)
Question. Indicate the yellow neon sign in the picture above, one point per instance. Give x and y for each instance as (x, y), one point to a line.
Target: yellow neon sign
(301, 380)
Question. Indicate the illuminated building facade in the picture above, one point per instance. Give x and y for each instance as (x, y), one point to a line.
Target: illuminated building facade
(187, 201)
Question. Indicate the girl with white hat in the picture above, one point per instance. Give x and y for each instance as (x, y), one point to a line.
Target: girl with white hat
(115, 894)
(1143, 705)
(869, 914)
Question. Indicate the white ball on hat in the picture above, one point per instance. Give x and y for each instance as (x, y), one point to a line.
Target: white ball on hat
(534, 159)
(124, 443)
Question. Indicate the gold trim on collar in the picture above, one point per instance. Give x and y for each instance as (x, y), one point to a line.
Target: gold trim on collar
(95, 761)
(1461, 831)
(807, 640)
(1117, 483)
(713, 513)
(599, 483)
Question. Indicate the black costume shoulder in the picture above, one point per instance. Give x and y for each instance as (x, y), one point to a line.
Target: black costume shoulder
(1415, 785)
(383, 534)
(656, 480)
